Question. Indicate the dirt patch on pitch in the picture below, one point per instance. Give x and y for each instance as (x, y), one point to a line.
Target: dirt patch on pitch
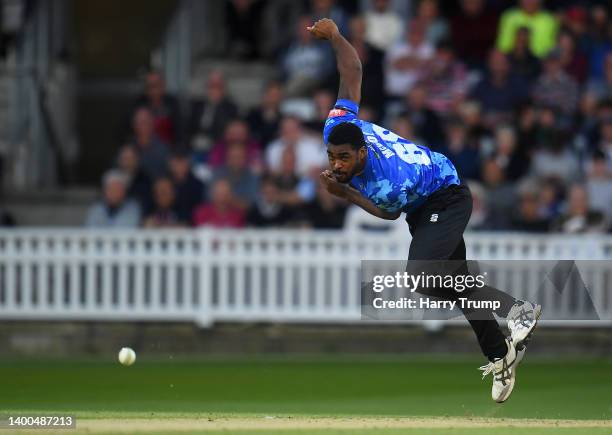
(269, 423)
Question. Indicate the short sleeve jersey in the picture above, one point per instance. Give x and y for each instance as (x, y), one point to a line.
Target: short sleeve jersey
(399, 175)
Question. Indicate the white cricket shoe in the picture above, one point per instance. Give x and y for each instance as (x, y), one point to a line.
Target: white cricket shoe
(504, 373)
(522, 320)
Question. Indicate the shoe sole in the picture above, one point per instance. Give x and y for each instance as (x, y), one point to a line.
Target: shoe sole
(520, 345)
(509, 392)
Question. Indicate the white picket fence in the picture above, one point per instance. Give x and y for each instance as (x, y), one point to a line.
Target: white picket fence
(207, 276)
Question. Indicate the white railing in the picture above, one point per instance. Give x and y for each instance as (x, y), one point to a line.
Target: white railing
(206, 276)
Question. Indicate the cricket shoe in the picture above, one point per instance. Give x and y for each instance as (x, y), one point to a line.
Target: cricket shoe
(504, 373)
(522, 321)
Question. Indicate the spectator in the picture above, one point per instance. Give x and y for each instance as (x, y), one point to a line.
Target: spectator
(164, 214)
(445, 80)
(554, 159)
(522, 61)
(605, 142)
(580, 218)
(551, 196)
(309, 152)
(426, 122)
(479, 217)
(239, 175)
(243, 23)
(236, 133)
(372, 60)
(499, 92)
(428, 13)
(164, 107)
(307, 62)
(602, 88)
(542, 24)
(499, 198)
(384, 26)
(153, 152)
(471, 116)
(265, 119)
(513, 162)
(574, 63)
(267, 211)
(328, 9)
(294, 190)
(465, 158)
(406, 60)
(189, 191)
(325, 211)
(599, 184)
(600, 40)
(138, 182)
(115, 210)
(210, 115)
(555, 87)
(528, 216)
(473, 32)
(220, 212)
(323, 101)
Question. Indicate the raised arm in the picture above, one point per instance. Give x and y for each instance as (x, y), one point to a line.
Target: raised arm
(349, 65)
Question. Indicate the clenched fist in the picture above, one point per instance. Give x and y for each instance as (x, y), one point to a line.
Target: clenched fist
(324, 29)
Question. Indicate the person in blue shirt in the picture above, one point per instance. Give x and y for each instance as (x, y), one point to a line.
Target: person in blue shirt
(386, 174)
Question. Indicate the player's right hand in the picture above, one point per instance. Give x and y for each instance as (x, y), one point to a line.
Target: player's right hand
(323, 29)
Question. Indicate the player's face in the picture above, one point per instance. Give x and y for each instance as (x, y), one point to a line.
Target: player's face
(345, 162)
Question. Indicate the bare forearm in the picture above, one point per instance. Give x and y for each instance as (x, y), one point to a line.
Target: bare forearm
(349, 68)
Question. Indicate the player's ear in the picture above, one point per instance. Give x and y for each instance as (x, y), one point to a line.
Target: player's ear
(362, 152)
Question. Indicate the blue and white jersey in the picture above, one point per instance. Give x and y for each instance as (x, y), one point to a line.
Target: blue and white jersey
(399, 175)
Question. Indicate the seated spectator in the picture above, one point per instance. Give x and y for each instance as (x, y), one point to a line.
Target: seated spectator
(139, 183)
(555, 87)
(243, 23)
(470, 114)
(323, 101)
(574, 63)
(602, 88)
(236, 133)
(513, 162)
(473, 32)
(308, 151)
(209, 116)
(528, 216)
(542, 25)
(425, 121)
(267, 211)
(599, 184)
(372, 60)
(189, 191)
(384, 26)
(164, 107)
(551, 198)
(554, 158)
(499, 92)
(264, 120)
(163, 214)
(115, 210)
(153, 152)
(220, 212)
(307, 63)
(523, 62)
(325, 211)
(499, 199)
(239, 175)
(406, 60)
(294, 190)
(428, 13)
(445, 80)
(599, 40)
(465, 158)
(579, 217)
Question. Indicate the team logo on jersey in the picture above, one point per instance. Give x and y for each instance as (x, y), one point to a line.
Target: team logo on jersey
(433, 218)
(336, 112)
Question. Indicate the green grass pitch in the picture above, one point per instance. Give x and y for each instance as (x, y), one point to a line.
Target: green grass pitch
(344, 386)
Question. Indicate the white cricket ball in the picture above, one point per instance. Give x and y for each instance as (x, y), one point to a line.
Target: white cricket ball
(127, 356)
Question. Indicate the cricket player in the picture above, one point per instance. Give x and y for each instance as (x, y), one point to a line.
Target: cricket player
(386, 175)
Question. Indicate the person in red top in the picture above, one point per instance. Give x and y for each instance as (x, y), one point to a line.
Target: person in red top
(220, 211)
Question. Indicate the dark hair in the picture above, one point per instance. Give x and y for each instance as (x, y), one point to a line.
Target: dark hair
(346, 133)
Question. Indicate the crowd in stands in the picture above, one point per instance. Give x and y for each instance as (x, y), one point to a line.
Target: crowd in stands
(519, 98)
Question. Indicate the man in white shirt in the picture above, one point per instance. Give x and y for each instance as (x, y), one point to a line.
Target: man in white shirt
(384, 26)
(406, 60)
(309, 153)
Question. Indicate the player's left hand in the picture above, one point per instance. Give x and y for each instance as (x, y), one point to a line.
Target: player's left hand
(332, 185)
